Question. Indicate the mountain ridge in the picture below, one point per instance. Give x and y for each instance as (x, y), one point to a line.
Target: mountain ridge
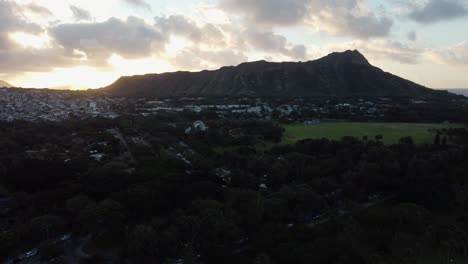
(346, 73)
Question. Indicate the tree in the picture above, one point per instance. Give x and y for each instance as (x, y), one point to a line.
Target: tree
(47, 226)
(77, 203)
(378, 137)
(437, 139)
(262, 258)
(142, 245)
(444, 140)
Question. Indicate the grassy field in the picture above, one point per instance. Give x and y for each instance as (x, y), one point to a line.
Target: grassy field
(392, 132)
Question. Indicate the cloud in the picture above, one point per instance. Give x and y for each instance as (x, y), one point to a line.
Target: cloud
(195, 59)
(220, 37)
(411, 35)
(394, 51)
(273, 43)
(340, 17)
(349, 18)
(11, 21)
(383, 49)
(210, 46)
(179, 25)
(438, 10)
(132, 38)
(271, 12)
(16, 59)
(37, 9)
(208, 34)
(454, 55)
(80, 13)
(19, 60)
(139, 3)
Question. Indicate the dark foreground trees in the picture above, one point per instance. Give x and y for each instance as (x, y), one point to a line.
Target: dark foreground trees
(318, 201)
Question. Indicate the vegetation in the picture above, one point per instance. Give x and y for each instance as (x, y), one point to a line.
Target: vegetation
(161, 195)
(390, 132)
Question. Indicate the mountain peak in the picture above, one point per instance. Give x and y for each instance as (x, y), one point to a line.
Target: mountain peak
(346, 57)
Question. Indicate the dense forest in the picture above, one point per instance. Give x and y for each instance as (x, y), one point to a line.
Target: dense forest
(227, 194)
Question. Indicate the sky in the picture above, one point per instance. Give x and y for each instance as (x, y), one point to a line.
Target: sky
(91, 43)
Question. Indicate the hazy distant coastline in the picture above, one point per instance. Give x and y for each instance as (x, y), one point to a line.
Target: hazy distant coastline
(459, 91)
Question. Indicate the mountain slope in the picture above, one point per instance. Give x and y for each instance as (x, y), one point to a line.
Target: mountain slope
(5, 84)
(338, 74)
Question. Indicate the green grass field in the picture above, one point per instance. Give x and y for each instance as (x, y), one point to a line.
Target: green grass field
(392, 132)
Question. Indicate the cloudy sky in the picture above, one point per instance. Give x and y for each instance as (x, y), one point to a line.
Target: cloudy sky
(90, 43)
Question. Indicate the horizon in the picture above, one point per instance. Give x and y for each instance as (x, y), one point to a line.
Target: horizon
(463, 90)
(82, 44)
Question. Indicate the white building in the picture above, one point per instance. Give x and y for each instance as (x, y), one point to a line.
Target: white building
(199, 125)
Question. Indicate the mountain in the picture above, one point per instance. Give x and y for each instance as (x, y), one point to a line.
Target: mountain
(5, 84)
(338, 74)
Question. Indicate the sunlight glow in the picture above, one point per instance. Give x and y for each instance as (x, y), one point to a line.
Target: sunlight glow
(133, 67)
(30, 40)
(176, 44)
(68, 78)
(83, 77)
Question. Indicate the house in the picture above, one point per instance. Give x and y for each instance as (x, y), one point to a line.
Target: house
(197, 126)
(97, 156)
(200, 126)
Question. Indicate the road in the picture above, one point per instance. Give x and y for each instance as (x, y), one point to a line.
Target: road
(71, 247)
(116, 132)
(341, 212)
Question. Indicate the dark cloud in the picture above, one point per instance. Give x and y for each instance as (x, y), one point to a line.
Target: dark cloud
(131, 38)
(438, 10)
(80, 13)
(342, 17)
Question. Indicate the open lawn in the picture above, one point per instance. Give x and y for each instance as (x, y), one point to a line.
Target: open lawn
(391, 132)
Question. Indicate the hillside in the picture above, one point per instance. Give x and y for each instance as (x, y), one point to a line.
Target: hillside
(5, 84)
(338, 74)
